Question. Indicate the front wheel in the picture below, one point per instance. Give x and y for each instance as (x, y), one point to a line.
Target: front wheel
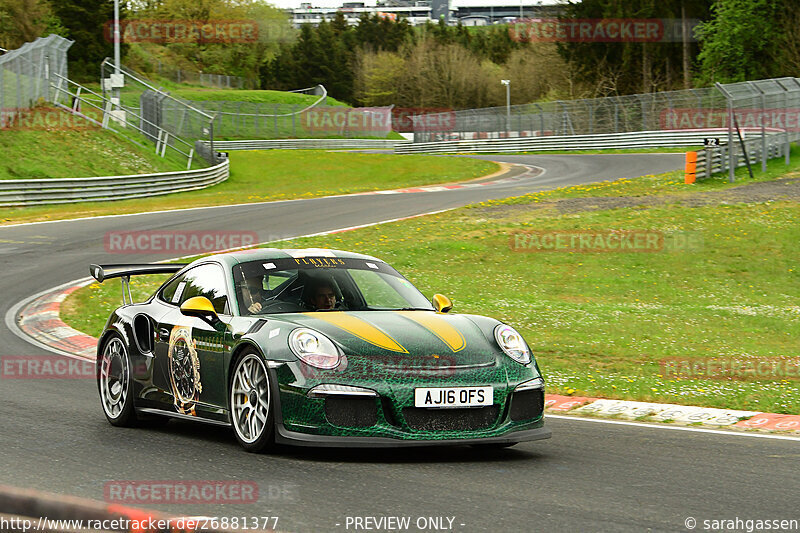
(251, 403)
(114, 382)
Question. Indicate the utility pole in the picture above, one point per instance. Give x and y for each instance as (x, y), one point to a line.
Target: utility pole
(116, 42)
(507, 83)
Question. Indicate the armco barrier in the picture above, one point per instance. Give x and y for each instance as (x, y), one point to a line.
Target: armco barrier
(703, 163)
(73, 190)
(606, 141)
(308, 144)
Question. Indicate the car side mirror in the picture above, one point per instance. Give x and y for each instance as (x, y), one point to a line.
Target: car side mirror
(441, 303)
(202, 308)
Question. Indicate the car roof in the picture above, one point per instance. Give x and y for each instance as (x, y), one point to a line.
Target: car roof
(260, 254)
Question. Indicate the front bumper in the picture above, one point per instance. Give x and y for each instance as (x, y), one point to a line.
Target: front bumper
(309, 421)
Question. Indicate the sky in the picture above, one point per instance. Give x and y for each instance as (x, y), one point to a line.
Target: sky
(286, 4)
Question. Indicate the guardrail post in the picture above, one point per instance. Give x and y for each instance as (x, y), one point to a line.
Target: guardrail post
(788, 147)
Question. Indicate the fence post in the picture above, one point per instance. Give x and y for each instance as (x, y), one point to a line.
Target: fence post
(788, 147)
(731, 147)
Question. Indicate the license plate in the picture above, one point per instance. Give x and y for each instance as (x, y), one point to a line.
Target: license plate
(453, 397)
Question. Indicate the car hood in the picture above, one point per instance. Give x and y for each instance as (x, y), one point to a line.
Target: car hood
(403, 339)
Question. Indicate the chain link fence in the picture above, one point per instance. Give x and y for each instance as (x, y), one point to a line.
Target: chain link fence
(217, 81)
(26, 74)
(169, 122)
(745, 109)
(684, 109)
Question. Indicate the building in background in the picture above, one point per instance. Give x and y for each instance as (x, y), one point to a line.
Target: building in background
(468, 12)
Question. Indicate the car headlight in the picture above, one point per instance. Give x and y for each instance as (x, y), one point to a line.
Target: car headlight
(512, 344)
(314, 349)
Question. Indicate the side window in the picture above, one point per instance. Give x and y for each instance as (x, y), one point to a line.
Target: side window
(171, 294)
(208, 281)
(205, 280)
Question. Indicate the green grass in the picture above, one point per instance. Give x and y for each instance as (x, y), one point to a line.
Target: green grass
(252, 96)
(75, 152)
(600, 323)
(258, 176)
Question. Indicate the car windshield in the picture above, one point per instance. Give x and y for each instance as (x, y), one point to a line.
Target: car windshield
(306, 284)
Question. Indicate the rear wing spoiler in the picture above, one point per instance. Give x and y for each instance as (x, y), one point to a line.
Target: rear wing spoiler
(104, 272)
(125, 271)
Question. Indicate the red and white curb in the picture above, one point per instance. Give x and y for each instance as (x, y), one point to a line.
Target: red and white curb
(39, 319)
(685, 415)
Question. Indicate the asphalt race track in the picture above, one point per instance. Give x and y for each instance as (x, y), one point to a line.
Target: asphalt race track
(591, 476)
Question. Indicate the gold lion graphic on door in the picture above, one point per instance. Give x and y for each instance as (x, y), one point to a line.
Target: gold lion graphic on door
(184, 370)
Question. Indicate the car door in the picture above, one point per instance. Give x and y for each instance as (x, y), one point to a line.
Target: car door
(189, 350)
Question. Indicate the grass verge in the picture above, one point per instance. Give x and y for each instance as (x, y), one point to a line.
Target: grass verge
(258, 176)
(39, 151)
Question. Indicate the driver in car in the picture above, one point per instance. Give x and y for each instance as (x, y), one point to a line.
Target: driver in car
(322, 296)
(254, 290)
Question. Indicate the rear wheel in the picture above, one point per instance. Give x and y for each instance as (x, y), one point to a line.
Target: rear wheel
(114, 382)
(251, 403)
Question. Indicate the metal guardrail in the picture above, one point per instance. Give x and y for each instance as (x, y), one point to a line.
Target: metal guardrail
(309, 144)
(74, 190)
(704, 163)
(606, 141)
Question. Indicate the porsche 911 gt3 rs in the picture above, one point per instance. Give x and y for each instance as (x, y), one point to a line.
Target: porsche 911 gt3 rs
(314, 347)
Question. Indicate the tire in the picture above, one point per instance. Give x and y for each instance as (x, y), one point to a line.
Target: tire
(114, 383)
(250, 386)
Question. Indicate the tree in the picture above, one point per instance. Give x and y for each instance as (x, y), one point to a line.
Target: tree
(377, 76)
(87, 22)
(22, 21)
(632, 67)
(743, 40)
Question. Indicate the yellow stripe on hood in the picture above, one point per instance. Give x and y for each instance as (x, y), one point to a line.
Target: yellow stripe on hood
(439, 327)
(361, 329)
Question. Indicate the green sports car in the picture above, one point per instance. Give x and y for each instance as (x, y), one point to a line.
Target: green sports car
(314, 347)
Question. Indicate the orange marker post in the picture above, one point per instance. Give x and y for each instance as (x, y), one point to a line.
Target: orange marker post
(691, 167)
